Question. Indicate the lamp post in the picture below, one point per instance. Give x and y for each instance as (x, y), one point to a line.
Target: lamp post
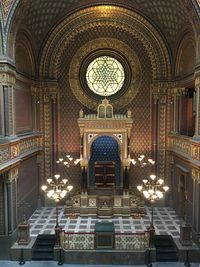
(153, 189)
(56, 189)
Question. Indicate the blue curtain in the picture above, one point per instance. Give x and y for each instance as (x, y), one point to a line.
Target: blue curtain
(105, 148)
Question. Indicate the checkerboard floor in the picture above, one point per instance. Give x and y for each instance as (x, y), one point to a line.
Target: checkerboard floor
(165, 221)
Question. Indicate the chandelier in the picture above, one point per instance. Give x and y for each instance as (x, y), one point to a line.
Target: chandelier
(68, 161)
(153, 189)
(141, 161)
(56, 188)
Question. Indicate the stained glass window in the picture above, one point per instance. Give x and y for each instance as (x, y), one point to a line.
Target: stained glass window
(105, 75)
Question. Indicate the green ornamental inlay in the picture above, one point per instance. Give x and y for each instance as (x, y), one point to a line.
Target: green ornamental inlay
(105, 76)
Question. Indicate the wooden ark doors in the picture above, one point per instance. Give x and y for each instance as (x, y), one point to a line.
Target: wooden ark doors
(104, 174)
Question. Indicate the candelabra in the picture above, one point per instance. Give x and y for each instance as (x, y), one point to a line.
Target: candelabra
(56, 189)
(142, 161)
(68, 160)
(153, 189)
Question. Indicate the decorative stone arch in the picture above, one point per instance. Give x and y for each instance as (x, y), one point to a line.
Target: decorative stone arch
(83, 20)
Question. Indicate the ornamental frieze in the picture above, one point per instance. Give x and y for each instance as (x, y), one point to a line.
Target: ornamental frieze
(17, 149)
(186, 146)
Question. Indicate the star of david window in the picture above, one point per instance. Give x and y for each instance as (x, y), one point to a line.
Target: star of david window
(105, 76)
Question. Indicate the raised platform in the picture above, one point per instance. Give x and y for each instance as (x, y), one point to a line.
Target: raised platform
(105, 205)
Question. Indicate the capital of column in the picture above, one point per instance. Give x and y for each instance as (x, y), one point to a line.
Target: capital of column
(50, 90)
(196, 174)
(177, 91)
(197, 82)
(35, 89)
(13, 175)
(159, 89)
(7, 75)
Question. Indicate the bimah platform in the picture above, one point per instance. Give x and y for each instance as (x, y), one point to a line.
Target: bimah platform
(104, 235)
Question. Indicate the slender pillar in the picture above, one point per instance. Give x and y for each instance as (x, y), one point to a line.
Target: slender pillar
(84, 179)
(50, 127)
(126, 178)
(54, 131)
(2, 119)
(197, 118)
(35, 102)
(176, 93)
(155, 125)
(196, 206)
(9, 104)
(159, 91)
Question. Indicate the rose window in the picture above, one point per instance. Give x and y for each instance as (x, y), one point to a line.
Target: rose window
(105, 76)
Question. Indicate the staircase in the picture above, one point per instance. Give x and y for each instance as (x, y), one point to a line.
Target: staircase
(43, 247)
(166, 249)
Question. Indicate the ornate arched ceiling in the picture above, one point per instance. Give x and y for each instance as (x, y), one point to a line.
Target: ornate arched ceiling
(103, 21)
(41, 16)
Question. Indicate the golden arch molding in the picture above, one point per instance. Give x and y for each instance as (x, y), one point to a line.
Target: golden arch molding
(98, 44)
(88, 21)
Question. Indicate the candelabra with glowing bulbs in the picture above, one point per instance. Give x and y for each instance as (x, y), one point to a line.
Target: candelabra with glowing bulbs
(68, 161)
(56, 189)
(141, 161)
(152, 189)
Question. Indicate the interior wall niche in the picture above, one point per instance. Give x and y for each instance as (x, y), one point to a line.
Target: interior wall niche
(24, 57)
(188, 112)
(186, 57)
(23, 108)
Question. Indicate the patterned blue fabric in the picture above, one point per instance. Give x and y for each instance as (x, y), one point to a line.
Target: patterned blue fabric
(105, 148)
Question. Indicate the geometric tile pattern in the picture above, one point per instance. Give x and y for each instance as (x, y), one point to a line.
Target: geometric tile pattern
(78, 241)
(165, 221)
(130, 241)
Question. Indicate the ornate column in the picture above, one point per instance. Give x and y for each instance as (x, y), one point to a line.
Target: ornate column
(50, 91)
(7, 103)
(35, 107)
(176, 93)
(197, 118)
(159, 91)
(196, 205)
(12, 199)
